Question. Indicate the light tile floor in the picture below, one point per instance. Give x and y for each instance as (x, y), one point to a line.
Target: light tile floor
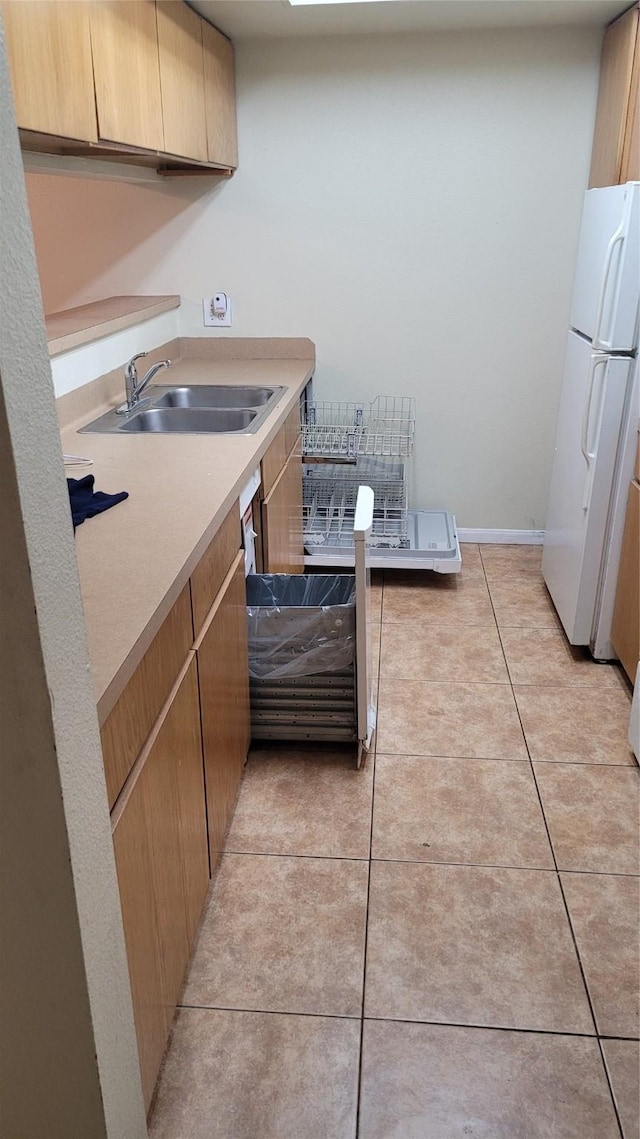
(446, 943)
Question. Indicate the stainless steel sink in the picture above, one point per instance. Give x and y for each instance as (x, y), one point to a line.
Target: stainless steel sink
(214, 395)
(194, 409)
(191, 420)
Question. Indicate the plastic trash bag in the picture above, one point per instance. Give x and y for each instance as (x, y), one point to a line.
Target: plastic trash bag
(300, 624)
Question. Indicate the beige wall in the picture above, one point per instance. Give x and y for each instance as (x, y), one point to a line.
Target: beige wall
(68, 1060)
(410, 203)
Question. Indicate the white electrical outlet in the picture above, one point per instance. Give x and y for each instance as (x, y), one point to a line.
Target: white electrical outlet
(216, 311)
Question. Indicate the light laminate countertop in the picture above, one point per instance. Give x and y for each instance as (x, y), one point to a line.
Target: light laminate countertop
(135, 559)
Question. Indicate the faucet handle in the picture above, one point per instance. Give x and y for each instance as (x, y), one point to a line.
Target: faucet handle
(131, 366)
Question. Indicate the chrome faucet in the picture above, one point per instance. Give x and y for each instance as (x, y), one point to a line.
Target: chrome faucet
(135, 387)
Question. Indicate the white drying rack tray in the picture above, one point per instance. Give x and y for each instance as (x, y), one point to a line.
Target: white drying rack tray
(385, 427)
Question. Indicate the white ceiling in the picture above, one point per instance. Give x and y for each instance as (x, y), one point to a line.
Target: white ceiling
(245, 19)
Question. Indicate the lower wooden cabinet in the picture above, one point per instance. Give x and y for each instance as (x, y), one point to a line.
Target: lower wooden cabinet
(223, 671)
(625, 631)
(281, 520)
(159, 837)
(175, 746)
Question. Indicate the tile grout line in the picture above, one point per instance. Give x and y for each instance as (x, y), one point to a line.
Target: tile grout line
(593, 1013)
(273, 1012)
(500, 759)
(366, 923)
(403, 1020)
(433, 861)
(559, 880)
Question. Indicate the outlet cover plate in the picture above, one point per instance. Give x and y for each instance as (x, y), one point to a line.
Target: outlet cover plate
(215, 320)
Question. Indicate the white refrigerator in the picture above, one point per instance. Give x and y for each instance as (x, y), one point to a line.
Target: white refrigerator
(597, 420)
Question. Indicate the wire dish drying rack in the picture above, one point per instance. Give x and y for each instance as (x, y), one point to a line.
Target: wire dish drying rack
(347, 445)
(329, 501)
(385, 428)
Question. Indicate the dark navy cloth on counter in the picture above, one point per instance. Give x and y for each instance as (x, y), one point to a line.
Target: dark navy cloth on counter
(85, 502)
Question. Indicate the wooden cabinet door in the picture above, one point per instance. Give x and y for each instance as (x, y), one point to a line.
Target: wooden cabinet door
(223, 671)
(625, 629)
(631, 148)
(220, 97)
(124, 39)
(182, 80)
(612, 115)
(281, 520)
(49, 48)
(159, 837)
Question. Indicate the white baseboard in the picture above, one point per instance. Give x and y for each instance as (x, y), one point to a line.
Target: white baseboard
(504, 537)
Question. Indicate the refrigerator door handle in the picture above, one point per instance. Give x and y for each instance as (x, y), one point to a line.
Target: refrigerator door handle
(589, 446)
(617, 239)
(596, 361)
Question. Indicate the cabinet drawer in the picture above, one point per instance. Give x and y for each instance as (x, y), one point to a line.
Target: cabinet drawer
(129, 723)
(273, 461)
(211, 571)
(281, 520)
(292, 429)
(275, 458)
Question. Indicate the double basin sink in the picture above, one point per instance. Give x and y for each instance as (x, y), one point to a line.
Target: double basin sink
(193, 409)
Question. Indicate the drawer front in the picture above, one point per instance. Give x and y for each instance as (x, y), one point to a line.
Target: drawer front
(280, 449)
(292, 429)
(129, 723)
(273, 461)
(210, 573)
(281, 521)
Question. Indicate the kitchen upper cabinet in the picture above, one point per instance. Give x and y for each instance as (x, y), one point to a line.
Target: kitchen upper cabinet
(220, 97)
(150, 82)
(124, 40)
(159, 837)
(182, 80)
(51, 43)
(616, 149)
(631, 147)
(281, 519)
(223, 671)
